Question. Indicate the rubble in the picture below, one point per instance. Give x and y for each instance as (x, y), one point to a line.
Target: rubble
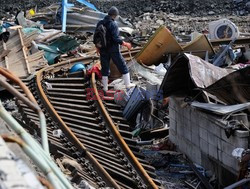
(173, 168)
(80, 20)
(18, 59)
(178, 17)
(180, 7)
(182, 24)
(191, 92)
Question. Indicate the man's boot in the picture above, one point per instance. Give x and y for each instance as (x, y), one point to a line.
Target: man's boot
(126, 79)
(105, 83)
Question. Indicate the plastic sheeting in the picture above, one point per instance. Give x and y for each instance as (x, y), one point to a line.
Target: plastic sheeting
(88, 4)
(58, 47)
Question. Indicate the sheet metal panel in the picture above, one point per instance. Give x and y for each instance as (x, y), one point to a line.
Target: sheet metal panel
(233, 88)
(219, 108)
(189, 72)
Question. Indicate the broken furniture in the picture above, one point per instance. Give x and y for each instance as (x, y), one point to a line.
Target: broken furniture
(160, 44)
(200, 47)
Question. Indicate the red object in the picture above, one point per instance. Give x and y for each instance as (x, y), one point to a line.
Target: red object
(95, 69)
(128, 45)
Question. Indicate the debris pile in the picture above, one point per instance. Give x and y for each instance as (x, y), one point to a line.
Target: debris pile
(182, 25)
(241, 7)
(174, 170)
(16, 54)
(180, 7)
(192, 50)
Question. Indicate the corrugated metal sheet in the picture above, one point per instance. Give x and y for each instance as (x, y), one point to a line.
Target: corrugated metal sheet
(189, 72)
(233, 88)
(78, 20)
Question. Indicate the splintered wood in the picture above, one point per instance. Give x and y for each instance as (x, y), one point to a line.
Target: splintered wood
(15, 54)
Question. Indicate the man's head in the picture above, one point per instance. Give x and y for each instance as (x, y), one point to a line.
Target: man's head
(113, 12)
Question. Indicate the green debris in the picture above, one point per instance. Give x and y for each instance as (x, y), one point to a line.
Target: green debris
(60, 46)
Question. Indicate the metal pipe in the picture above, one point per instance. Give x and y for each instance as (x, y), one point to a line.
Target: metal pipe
(33, 144)
(40, 162)
(239, 183)
(33, 106)
(64, 14)
(152, 112)
(17, 94)
(45, 142)
(145, 142)
(202, 178)
(18, 81)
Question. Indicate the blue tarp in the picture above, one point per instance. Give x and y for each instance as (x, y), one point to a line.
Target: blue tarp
(88, 4)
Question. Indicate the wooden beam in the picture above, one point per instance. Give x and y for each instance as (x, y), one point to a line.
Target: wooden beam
(24, 50)
(239, 41)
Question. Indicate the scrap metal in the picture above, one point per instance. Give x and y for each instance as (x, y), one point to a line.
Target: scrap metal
(202, 178)
(233, 88)
(105, 153)
(220, 60)
(29, 101)
(188, 73)
(79, 20)
(221, 109)
(238, 41)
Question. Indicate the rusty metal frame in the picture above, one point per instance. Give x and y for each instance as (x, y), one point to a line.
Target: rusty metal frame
(108, 179)
(135, 163)
(30, 102)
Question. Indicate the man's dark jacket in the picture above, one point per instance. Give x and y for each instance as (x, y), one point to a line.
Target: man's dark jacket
(112, 35)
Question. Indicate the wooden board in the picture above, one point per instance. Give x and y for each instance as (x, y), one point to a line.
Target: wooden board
(15, 54)
(199, 46)
(161, 43)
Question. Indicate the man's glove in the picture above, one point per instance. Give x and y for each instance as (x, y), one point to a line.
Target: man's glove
(128, 45)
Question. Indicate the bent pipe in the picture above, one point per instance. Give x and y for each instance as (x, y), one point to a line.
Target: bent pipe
(30, 103)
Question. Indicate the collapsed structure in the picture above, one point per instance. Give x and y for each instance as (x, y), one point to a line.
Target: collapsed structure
(191, 97)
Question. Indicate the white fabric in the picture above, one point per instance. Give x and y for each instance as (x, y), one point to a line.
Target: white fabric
(105, 82)
(126, 79)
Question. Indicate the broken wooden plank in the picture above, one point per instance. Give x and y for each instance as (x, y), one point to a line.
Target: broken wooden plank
(24, 50)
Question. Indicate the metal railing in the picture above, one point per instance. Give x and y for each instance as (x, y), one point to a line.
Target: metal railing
(31, 147)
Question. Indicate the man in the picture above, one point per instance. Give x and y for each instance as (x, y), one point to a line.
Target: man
(112, 51)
